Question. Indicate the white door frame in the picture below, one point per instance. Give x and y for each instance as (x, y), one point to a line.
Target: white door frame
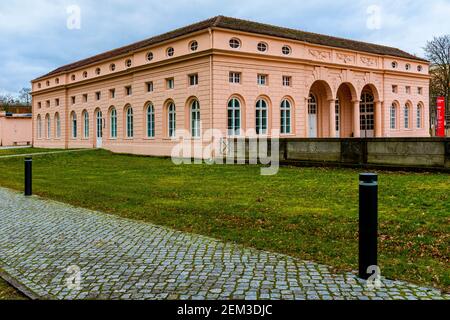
(312, 116)
(99, 129)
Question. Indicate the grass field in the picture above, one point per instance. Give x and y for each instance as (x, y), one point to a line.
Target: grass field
(9, 293)
(310, 213)
(8, 152)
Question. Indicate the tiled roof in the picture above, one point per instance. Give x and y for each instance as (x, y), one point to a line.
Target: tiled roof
(246, 26)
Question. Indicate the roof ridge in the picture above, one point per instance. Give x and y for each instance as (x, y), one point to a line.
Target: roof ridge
(238, 24)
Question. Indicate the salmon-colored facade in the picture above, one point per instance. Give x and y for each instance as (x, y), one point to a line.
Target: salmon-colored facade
(233, 81)
(15, 129)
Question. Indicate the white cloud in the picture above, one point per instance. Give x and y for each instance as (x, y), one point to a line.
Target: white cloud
(34, 37)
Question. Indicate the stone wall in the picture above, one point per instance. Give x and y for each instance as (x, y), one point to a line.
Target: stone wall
(432, 153)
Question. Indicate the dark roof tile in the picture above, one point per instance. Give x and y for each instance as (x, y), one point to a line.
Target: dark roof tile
(245, 26)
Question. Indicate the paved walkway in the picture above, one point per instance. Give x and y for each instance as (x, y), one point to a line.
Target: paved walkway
(42, 244)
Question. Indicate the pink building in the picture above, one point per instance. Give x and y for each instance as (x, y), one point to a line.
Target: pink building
(237, 77)
(15, 129)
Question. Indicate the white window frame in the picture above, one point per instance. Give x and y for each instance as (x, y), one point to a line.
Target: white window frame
(86, 124)
(235, 77)
(393, 117)
(287, 81)
(406, 116)
(57, 126)
(195, 119)
(262, 117)
(48, 124)
(113, 123)
(171, 120)
(419, 116)
(150, 121)
(74, 125)
(193, 79)
(262, 79)
(130, 123)
(234, 114)
(285, 117)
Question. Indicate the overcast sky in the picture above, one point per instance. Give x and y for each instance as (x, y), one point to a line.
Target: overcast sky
(35, 38)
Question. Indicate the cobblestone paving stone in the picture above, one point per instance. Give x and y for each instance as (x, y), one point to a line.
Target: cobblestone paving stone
(125, 259)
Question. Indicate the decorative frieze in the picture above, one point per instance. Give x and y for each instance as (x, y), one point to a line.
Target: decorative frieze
(345, 58)
(320, 54)
(369, 61)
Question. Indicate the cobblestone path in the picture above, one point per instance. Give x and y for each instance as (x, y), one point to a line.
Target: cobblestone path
(43, 243)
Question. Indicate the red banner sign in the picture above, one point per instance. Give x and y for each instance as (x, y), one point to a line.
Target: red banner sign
(440, 128)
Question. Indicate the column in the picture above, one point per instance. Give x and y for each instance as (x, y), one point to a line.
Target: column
(378, 120)
(356, 120)
(332, 122)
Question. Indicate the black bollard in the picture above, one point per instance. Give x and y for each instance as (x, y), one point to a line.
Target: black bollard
(368, 223)
(28, 176)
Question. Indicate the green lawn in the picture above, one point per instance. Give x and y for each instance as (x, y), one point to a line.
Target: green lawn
(310, 213)
(9, 293)
(22, 151)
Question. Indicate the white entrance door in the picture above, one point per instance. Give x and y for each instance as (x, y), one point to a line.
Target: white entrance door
(367, 116)
(99, 133)
(312, 116)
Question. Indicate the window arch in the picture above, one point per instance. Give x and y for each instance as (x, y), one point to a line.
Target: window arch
(39, 126)
(150, 121)
(285, 117)
(234, 117)
(406, 116)
(129, 122)
(113, 122)
(47, 126)
(57, 125)
(74, 125)
(261, 116)
(171, 120)
(419, 116)
(85, 124)
(195, 118)
(393, 116)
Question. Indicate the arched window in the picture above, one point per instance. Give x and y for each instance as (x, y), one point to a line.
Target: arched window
(99, 119)
(150, 121)
(172, 120)
(130, 131)
(48, 125)
(406, 112)
(367, 114)
(393, 117)
(39, 126)
(261, 117)
(419, 116)
(195, 119)
(74, 125)
(113, 123)
(86, 124)
(234, 117)
(57, 126)
(285, 117)
(312, 104)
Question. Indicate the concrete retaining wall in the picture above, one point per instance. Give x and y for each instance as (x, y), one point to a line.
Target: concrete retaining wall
(385, 152)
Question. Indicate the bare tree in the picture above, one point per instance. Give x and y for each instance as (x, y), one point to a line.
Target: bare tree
(25, 96)
(438, 52)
